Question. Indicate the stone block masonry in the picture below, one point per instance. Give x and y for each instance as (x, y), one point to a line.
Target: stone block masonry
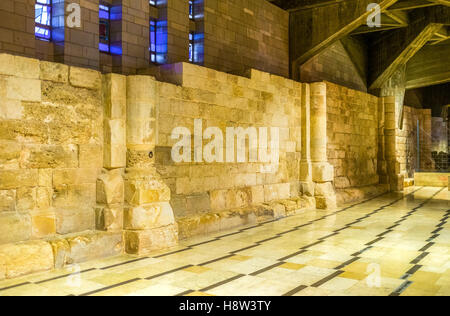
(86, 168)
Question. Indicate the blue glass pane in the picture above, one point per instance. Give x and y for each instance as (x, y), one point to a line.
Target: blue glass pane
(42, 14)
(42, 32)
(103, 7)
(103, 14)
(191, 9)
(43, 1)
(103, 47)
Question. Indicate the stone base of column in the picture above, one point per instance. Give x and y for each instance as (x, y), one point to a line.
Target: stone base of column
(322, 172)
(325, 196)
(144, 242)
(149, 221)
(397, 182)
(307, 188)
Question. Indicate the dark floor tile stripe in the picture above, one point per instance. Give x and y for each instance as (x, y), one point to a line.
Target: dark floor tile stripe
(64, 276)
(168, 272)
(293, 255)
(414, 269)
(124, 263)
(401, 289)
(204, 242)
(268, 239)
(184, 293)
(110, 287)
(245, 248)
(14, 286)
(374, 241)
(172, 253)
(347, 263)
(230, 234)
(313, 244)
(385, 233)
(419, 258)
(295, 291)
(328, 236)
(437, 230)
(328, 278)
(267, 268)
(215, 260)
(222, 282)
(361, 251)
(427, 246)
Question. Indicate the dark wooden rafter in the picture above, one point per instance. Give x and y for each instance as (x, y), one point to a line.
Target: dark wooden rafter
(308, 38)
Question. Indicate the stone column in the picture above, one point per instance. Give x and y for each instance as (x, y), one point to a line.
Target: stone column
(322, 171)
(148, 217)
(396, 180)
(381, 158)
(110, 184)
(306, 183)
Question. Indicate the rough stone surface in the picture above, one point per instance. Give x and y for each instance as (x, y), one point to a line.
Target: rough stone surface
(144, 242)
(27, 257)
(148, 216)
(92, 246)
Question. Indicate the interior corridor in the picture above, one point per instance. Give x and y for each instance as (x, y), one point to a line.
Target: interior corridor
(393, 244)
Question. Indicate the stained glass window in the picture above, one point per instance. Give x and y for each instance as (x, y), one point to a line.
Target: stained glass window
(153, 41)
(104, 28)
(43, 19)
(191, 47)
(191, 9)
(152, 2)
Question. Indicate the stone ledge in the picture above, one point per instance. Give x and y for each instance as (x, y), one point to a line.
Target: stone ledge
(350, 195)
(22, 258)
(220, 221)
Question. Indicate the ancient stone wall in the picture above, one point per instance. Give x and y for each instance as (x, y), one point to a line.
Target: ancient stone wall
(352, 131)
(87, 167)
(224, 100)
(51, 138)
(406, 141)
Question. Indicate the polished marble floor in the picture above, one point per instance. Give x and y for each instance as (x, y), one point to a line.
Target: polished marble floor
(394, 244)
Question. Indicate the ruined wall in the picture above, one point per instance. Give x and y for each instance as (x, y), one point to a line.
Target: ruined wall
(51, 139)
(86, 169)
(352, 131)
(224, 100)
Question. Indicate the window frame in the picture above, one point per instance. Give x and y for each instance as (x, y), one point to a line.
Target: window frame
(108, 28)
(49, 5)
(153, 53)
(192, 47)
(192, 10)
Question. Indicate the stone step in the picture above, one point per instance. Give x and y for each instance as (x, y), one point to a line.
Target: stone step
(17, 259)
(225, 220)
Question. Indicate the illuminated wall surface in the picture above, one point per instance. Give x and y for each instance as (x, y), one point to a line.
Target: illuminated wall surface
(95, 96)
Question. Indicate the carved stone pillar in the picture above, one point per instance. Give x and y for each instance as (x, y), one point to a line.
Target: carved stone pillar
(322, 171)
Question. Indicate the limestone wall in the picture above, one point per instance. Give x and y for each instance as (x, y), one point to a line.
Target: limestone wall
(51, 148)
(352, 131)
(223, 100)
(86, 165)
